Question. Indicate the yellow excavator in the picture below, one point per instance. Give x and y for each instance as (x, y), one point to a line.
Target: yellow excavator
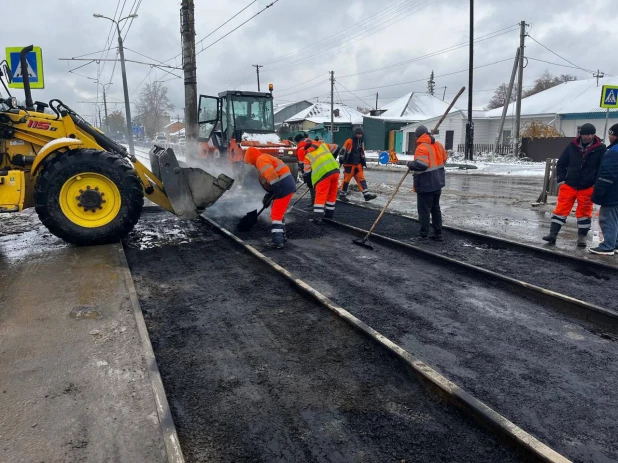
(86, 188)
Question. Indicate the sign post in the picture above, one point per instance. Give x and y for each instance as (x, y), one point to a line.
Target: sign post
(609, 100)
(34, 60)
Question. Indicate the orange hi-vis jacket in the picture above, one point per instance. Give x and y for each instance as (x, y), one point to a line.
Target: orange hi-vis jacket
(428, 165)
(272, 171)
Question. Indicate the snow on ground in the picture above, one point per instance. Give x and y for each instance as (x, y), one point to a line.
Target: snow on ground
(483, 165)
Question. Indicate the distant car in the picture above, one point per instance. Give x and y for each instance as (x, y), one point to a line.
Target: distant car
(160, 139)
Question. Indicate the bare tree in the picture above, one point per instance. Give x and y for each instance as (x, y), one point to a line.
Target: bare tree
(499, 98)
(547, 81)
(363, 110)
(152, 105)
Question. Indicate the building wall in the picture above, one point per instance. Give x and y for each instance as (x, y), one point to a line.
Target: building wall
(376, 132)
(453, 122)
(570, 126)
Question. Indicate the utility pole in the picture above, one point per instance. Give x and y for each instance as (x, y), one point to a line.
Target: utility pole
(106, 116)
(520, 84)
(444, 95)
(598, 75)
(507, 102)
(376, 101)
(189, 67)
(332, 106)
(257, 70)
(127, 103)
(470, 125)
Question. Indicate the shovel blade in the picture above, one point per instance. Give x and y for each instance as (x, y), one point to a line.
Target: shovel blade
(363, 242)
(248, 221)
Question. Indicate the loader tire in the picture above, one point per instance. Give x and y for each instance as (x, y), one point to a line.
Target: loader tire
(88, 197)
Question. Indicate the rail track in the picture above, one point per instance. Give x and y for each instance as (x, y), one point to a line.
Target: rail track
(572, 284)
(214, 334)
(511, 349)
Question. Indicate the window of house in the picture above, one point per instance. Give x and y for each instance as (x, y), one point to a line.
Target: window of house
(507, 137)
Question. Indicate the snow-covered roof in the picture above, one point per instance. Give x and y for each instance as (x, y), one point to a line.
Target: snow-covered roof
(176, 134)
(413, 107)
(172, 123)
(319, 113)
(281, 106)
(579, 96)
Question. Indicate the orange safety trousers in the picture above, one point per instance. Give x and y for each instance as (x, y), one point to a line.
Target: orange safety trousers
(326, 196)
(567, 195)
(353, 171)
(277, 212)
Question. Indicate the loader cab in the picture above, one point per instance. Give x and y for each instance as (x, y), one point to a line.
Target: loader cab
(232, 114)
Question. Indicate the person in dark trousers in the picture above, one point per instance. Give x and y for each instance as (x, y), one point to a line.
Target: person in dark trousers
(300, 153)
(429, 179)
(354, 163)
(605, 194)
(576, 172)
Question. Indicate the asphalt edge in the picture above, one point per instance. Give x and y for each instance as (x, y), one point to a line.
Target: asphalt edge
(480, 235)
(456, 394)
(164, 413)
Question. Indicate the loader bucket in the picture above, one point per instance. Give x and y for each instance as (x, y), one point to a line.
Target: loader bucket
(189, 189)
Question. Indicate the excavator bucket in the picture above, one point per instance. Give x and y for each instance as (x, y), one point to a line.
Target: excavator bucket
(189, 189)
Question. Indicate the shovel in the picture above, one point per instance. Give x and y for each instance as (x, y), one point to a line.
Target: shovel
(365, 241)
(249, 220)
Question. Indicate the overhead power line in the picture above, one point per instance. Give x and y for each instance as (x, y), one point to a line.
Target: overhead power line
(237, 27)
(374, 26)
(353, 94)
(561, 57)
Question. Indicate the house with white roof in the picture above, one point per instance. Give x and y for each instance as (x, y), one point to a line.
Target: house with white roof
(382, 127)
(567, 107)
(315, 120)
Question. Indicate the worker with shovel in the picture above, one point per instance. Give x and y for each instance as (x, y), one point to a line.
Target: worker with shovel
(429, 179)
(323, 169)
(353, 161)
(276, 178)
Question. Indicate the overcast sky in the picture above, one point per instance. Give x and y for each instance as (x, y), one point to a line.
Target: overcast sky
(299, 42)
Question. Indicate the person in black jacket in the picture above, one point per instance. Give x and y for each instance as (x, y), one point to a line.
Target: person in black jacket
(354, 162)
(576, 172)
(606, 195)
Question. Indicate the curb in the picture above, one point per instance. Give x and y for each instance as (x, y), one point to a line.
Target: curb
(479, 410)
(166, 422)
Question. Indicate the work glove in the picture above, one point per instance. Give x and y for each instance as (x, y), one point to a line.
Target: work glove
(268, 197)
(363, 162)
(410, 165)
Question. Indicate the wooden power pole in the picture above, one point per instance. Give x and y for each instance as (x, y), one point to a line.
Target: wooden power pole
(187, 27)
(332, 106)
(520, 84)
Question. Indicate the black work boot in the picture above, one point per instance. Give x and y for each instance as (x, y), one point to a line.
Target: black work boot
(343, 197)
(370, 196)
(554, 228)
(317, 218)
(581, 239)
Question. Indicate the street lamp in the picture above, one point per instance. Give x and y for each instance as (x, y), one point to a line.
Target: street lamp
(127, 105)
(105, 104)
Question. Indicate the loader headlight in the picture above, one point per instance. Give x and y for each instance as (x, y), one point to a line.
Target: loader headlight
(11, 102)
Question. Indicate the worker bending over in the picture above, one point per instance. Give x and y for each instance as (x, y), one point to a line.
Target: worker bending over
(323, 171)
(300, 153)
(276, 178)
(354, 162)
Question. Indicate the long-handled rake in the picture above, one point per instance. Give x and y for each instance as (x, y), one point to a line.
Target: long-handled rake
(365, 241)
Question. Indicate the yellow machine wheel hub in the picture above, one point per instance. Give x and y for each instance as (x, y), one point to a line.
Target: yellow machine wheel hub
(90, 200)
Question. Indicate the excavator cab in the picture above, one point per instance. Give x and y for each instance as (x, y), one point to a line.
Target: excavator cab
(234, 120)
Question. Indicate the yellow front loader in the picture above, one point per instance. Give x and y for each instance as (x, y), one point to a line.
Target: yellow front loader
(86, 188)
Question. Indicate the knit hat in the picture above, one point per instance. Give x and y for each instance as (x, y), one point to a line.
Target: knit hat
(420, 130)
(587, 129)
(299, 137)
(613, 130)
(358, 130)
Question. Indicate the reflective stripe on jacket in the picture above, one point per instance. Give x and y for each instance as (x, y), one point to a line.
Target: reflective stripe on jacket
(428, 165)
(320, 162)
(272, 171)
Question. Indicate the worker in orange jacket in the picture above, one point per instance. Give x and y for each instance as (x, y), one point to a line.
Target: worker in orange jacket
(353, 160)
(276, 178)
(322, 171)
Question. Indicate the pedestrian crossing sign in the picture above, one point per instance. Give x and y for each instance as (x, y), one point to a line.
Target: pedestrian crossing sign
(609, 97)
(34, 61)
